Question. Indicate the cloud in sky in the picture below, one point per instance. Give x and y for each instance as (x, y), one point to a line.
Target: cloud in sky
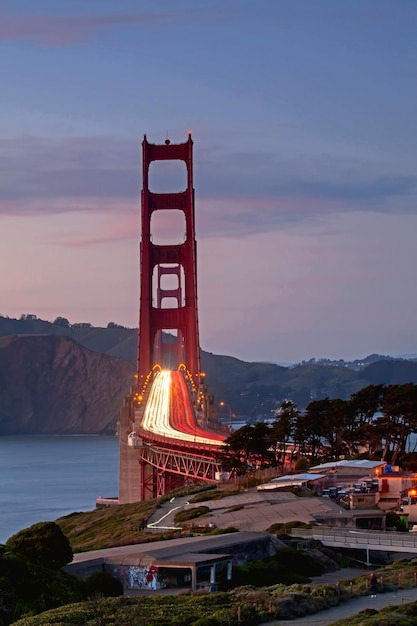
(246, 193)
(304, 165)
(68, 30)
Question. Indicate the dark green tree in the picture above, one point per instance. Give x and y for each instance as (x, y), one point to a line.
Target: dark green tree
(399, 418)
(308, 433)
(247, 447)
(61, 321)
(283, 429)
(366, 403)
(42, 544)
(260, 453)
(337, 427)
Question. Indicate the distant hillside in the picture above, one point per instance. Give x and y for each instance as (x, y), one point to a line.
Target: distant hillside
(391, 372)
(51, 384)
(56, 378)
(115, 341)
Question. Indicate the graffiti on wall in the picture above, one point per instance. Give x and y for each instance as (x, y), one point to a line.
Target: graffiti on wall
(140, 577)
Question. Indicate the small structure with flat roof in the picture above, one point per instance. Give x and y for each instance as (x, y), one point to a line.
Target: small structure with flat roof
(292, 480)
(353, 468)
(193, 561)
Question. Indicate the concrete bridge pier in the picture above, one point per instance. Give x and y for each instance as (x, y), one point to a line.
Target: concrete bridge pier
(130, 471)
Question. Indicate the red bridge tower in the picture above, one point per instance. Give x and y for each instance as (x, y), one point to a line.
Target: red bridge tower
(177, 260)
(168, 336)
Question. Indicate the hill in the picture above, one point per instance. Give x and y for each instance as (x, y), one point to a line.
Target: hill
(51, 384)
(114, 340)
(62, 378)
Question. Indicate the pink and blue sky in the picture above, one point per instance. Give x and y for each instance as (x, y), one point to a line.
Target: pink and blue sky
(303, 114)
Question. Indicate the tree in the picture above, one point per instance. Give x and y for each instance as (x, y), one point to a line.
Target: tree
(337, 429)
(14, 581)
(302, 464)
(283, 428)
(260, 453)
(43, 543)
(247, 446)
(62, 321)
(366, 402)
(399, 409)
(308, 431)
(365, 405)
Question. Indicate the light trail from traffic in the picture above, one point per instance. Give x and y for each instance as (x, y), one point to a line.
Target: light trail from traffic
(169, 413)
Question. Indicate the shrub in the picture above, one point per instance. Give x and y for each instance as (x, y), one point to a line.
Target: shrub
(42, 544)
(281, 528)
(184, 516)
(206, 621)
(103, 583)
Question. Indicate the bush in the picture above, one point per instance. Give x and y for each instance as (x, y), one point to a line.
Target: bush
(206, 621)
(396, 521)
(42, 544)
(224, 531)
(214, 494)
(282, 529)
(302, 465)
(103, 583)
(288, 566)
(184, 516)
(299, 561)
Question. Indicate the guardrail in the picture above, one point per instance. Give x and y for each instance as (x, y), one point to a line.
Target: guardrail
(361, 539)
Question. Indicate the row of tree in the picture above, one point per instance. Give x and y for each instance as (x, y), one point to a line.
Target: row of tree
(376, 421)
(64, 322)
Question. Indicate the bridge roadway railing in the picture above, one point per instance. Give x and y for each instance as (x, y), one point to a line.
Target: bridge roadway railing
(174, 444)
(389, 541)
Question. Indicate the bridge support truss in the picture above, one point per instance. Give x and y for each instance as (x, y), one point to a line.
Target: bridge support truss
(172, 469)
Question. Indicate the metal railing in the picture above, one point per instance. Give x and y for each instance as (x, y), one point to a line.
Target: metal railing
(356, 538)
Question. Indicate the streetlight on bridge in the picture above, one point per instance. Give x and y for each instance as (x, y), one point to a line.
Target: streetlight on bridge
(224, 404)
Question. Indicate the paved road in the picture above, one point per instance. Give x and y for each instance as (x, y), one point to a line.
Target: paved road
(163, 518)
(351, 608)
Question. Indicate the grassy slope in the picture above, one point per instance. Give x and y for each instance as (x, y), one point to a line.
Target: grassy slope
(104, 528)
(256, 605)
(119, 525)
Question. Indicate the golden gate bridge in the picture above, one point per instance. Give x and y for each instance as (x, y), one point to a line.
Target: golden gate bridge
(168, 431)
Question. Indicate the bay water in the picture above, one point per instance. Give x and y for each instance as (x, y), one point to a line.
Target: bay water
(45, 477)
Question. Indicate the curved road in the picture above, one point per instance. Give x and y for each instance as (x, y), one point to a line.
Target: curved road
(168, 411)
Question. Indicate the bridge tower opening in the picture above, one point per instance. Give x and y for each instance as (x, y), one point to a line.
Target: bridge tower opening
(173, 309)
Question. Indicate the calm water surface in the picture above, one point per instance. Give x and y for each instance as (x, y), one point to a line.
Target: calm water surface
(45, 477)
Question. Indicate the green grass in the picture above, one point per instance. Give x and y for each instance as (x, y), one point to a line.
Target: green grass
(232, 509)
(255, 605)
(214, 494)
(188, 514)
(104, 528)
(115, 525)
